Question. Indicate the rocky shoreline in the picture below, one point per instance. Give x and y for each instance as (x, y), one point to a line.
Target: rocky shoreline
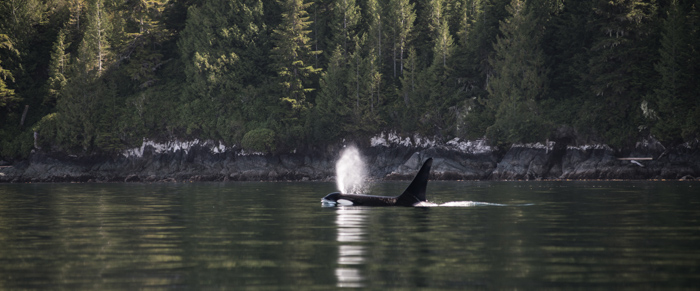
(393, 160)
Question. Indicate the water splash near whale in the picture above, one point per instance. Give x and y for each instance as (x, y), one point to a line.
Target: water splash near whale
(351, 172)
(467, 204)
(458, 204)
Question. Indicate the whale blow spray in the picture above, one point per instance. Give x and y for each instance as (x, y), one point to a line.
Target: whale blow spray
(350, 172)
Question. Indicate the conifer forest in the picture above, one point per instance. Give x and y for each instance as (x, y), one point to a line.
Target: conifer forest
(99, 76)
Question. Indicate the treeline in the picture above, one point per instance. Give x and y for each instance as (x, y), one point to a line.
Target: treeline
(100, 75)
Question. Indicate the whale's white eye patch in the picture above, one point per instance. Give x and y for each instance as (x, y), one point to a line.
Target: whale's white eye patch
(344, 202)
(327, 203)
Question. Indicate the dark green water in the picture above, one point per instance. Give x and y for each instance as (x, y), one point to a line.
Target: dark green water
(552, 235)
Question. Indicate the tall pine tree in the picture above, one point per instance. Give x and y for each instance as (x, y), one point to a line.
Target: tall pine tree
(520, 79)
(331, 115)
(222, 55)
(346, 17)
(442, 93)
(94, 52)
(440, 31)
(7, 95)
(674, 94)
(58, 67)
(373, 37)
(692, 128)
(401, 16)
(620, 70)
(145, 34)
(293, 54)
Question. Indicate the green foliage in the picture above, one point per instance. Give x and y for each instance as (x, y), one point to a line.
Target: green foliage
(94, 54)
(361, 84)
(15, 143)
(332, 110)
(292, 54)
(401, 16)
(7, 95)
(440, 32)
(58, 68)
(143, 30)
(259, 140)
(374, 33)
(46, 130)
(566, 43)
(474, 119)
(442, 98)
(348, 102)
(99, 76)
(220, 49)
(620, 69)
(412, 95)
(346, 17)
(674, 94)
(519, 82)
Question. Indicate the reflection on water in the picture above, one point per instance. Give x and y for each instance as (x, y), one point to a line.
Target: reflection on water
(351, 255)
(351, 233)
(270, 236)
(89, 236)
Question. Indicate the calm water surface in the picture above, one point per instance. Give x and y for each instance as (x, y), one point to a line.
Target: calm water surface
(550, 235)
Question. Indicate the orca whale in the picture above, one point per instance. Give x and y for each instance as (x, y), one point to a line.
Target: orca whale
(415, 193)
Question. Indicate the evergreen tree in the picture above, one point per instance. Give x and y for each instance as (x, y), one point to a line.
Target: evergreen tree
(222, 55)
(19, 18)
(479, 37)
(19, 23)
(373, 37)
(409, 80)
(293, 61)
(94, 51)
(78, 113)
(293, 55)
(519, 81)
(332, 112)
(360, 85)
(82, 98)
(346, 16)
(411, 101)
(58, 68)
(463, 16)
(322, 39)
(620, 70)
(374, 81)
(441, 96)
(77, 8)
(566, 42)
(355, 81)
(7, 95)
(374, 32)
(105, 72)
(692, 126)
(401, 16)
(145, 33)
(466, 14)
(440, 31)
(674, 94)
(471, 69)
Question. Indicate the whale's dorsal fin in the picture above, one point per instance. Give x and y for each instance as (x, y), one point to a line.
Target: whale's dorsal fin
(416, 191)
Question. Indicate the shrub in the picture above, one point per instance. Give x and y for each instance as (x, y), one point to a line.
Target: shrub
(259, 140)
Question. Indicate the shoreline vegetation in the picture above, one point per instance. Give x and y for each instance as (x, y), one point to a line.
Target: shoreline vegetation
(389, 157)
(82, 82)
